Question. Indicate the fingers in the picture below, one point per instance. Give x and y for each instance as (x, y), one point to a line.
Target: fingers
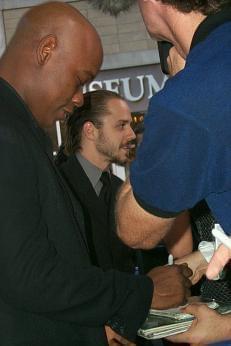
(171, 285)
(178, 338)
(199, 310)
(218, 261)
(195, 278)
(186, 271)
(191, 309)
(205, 328)
(186, 282)
(184, 301)
(199, 272)
(186, 336)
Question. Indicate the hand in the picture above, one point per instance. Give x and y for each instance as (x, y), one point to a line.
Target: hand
(171, 285)
(208, 326)
(115, 339)
(218, 261)
(197, 263)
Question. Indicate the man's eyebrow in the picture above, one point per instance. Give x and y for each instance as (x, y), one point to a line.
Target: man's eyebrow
(123, 121)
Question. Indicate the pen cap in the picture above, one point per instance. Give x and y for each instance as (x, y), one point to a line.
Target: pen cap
(136, 270)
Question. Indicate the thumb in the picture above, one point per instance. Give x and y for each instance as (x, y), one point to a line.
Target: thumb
(218, 261)
(193, 309)
(213, 270)
(195, 278)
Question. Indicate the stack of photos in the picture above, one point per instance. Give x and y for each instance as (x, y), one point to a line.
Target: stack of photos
(163, 323)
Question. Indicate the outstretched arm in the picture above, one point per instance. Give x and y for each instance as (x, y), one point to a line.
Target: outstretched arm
(140, 229)
(136, 227)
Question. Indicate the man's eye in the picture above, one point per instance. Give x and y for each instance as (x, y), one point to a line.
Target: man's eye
(79, 87)
(79, 83)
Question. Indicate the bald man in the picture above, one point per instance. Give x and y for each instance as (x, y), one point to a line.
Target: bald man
(50, 294)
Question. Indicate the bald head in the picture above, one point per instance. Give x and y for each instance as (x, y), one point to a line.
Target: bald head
(53, 53)
(50, 18)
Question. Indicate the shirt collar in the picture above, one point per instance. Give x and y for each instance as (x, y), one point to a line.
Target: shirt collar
(93, 172)
(209, 24)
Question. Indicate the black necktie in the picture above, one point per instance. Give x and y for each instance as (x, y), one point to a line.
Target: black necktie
(105, 193)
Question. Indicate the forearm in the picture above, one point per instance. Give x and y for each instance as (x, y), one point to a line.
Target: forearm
(179, 240)
(136, 227)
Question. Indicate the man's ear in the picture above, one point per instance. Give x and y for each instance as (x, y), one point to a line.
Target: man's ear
(89, 130)
(45, 48)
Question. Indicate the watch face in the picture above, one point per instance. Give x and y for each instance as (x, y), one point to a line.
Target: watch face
(163, 47)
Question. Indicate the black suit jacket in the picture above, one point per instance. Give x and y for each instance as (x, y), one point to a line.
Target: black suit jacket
(50, 294)
(106, 248)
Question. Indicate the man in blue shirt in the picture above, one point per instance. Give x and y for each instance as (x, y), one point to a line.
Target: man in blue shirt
(185, 154)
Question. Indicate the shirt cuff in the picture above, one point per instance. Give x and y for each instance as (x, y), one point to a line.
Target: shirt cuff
(207, 249)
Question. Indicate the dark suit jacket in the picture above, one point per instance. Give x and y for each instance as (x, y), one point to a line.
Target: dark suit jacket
(106, 248)
(50, 294)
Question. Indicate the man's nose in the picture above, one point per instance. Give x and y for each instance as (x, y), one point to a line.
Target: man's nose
(77, 98)
(131, 134)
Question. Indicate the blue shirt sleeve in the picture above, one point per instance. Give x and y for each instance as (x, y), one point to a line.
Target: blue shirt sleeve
(170, 173)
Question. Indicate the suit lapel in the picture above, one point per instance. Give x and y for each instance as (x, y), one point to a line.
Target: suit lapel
(82, 187)
(99, 229)
(44, 143)
(21, 114)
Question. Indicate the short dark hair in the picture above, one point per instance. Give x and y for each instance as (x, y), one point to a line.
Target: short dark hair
(93, 110)
(206, 7)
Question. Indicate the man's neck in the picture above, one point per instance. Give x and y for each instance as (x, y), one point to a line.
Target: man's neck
(182, 27)
(95, 158)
